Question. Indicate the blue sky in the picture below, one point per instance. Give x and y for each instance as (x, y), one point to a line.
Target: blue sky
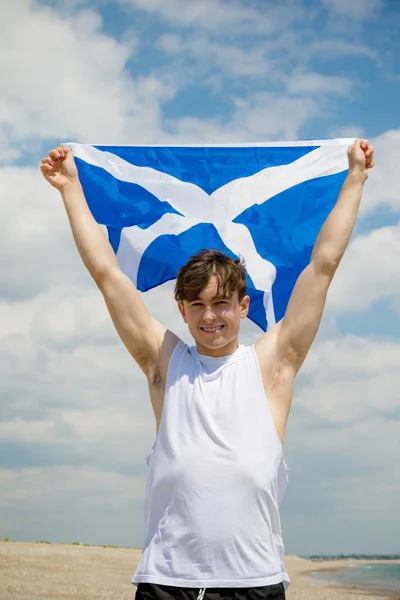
(75, 421)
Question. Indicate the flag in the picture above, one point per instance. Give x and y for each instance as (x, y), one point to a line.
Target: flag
(264, 202)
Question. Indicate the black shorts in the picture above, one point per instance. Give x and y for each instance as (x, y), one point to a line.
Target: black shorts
(151, 591)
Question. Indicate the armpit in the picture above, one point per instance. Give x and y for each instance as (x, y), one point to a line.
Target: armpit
(155, 378)
(147, 364)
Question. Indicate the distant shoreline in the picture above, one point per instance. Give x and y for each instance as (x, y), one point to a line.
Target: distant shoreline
(339, 564)
(315, 559)
(85, 544)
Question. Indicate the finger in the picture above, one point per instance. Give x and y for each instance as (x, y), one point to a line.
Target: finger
(353, 145)
(61, 150)
(57, 153)
(361, 143)
(369, 158)
(370, 165)
(54, 154)
(46, 168)
(358, 143)
(47, 160)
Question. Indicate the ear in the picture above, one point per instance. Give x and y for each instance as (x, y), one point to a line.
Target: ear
(182, 311)
(244, 307)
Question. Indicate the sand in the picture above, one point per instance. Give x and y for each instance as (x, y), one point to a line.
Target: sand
(30, 571)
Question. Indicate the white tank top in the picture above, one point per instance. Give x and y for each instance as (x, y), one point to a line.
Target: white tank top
(216, 476)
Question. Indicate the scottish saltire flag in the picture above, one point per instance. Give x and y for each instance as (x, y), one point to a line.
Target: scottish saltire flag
(265, 202)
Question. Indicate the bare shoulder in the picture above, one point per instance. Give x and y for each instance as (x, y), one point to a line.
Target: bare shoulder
(266, 351)
(156, 371)
(149, 342)
(167, 347)
(153, 357)
(277, 374)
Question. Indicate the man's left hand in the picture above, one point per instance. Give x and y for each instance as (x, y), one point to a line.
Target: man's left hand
(361, 157)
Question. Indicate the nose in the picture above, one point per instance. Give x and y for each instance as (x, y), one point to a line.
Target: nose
(209, 314)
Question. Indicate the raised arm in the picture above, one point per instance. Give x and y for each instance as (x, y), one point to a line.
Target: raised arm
(282, 350)
(146, 339)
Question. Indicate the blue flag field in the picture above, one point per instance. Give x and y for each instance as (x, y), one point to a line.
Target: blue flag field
(264, 202)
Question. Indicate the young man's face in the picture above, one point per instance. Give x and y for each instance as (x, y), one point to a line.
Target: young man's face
(213, 321)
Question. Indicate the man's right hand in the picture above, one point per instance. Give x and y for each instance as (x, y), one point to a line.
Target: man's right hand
(59, 168)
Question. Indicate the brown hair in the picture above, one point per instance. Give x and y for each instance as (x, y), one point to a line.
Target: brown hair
(193, 277)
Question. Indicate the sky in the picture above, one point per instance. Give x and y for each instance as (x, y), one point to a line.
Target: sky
(75, 418)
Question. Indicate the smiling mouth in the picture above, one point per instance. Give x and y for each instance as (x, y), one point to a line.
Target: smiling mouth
(212, 329)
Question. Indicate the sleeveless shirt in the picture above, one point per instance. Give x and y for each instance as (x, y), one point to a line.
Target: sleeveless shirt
(216, 476)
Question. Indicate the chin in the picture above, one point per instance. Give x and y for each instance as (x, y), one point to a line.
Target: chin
(213, 343)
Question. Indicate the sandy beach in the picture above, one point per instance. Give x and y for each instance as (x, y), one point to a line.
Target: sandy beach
(33, 571)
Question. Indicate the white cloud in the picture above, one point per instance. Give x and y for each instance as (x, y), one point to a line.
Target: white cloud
(382, 187)
(84, 90)
(67, 318)
(246, 42)
(257, 62)
(359, 9)
(37, 484)
(351, 379)
(337, 45)
(212, 14)
(232, 59)
(279, 58)
(38, 247)
(352, 356)
(263, 117)
(342, 447)
(16, 317)
(50, 373)
(87, 82)
(84, 376)
(72, 82)
(316, 83)
(26, 431)
(86, 407)
(347, 131)
(208, 14)
(65, 503)
(369, 271)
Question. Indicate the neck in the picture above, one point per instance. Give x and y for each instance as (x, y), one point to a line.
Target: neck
(230, 348)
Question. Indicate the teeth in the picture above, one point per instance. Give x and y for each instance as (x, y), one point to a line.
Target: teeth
(212, 328)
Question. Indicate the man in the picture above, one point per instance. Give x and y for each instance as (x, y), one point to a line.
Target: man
(216, 472)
